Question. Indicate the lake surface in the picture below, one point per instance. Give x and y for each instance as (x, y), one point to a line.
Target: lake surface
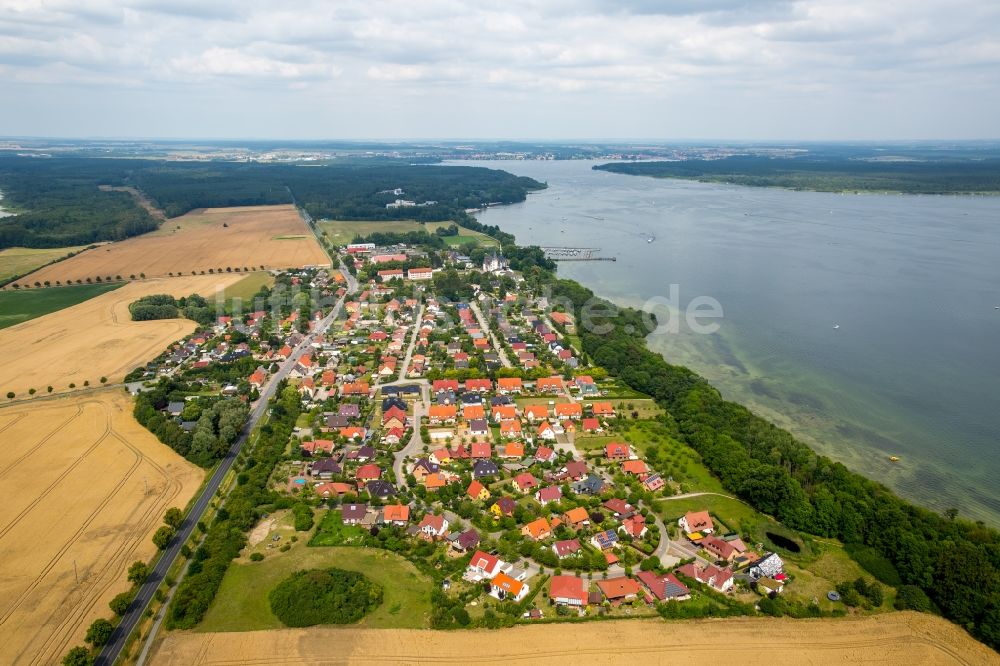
(911, 281)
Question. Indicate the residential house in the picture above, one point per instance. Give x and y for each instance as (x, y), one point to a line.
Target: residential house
(568, 591)
(482, 469)
(664, 587)
(484, 565)
(568, 410)
(481, 450)
(718, 579)
(720, 548)
(768, 566)
(617, 451)
(618, 590)
(477, 491)
(619, 508)
(536, 412)
(545, 454)
(537, 529)
(479, 427)
(508, 385)
(566, 548)
(438, 414)
(504, 587)
(433, 526)
(696, 522)
(525, 483)
(503, 507)
(604, 540)
(511, 450)
(634, 526)
(577, 517)
(464, 542)
(380, 488)
(396, 514)
(548, 494)
(602, 409)
(352, 514)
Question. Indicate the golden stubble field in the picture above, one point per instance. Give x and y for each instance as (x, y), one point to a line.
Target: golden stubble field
(96, 338)
(902, 639)
(84, 487)
(212, 238)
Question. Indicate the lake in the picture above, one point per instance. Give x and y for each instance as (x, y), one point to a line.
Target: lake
(864, 323)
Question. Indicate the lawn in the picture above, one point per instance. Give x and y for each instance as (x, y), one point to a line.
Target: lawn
(248, 287)
(23, 260)
(735, 514)
(20, 306)
(333, 532)
(342, 232)
(242, 602)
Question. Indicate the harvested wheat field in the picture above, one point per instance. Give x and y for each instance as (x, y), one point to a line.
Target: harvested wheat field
(84, 485)
(96, 338)
(897, 638)
(213, 238)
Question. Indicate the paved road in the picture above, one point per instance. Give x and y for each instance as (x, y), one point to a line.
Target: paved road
(132, 617)
(483, 324)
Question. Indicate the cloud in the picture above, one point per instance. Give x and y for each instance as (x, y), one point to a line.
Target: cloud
(588, 57)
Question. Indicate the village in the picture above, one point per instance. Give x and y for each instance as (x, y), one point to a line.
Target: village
(475, 428)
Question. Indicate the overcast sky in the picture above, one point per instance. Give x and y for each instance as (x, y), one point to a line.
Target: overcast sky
(559, 69)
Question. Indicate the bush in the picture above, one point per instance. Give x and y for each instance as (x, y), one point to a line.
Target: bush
(324, 596)
(303, 517)
(78, 656)
(256, 557)
(99, 632)
(911, 597)
(120, 603)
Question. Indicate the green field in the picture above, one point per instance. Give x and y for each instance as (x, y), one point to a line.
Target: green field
(242, 602)
(20, 306)
(23, 260)
(342, 232)
(248, 286)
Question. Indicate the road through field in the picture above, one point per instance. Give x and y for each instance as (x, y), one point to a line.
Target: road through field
(901, 639)
(96, 338)
(84, 488)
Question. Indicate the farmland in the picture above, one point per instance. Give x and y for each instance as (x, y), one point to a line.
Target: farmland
(85, 486)
(16, 261)
(214, 239)
(96, 338)
(21, 306)
(898, 638)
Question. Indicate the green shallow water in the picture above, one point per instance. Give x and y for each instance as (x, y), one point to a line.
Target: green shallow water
(911, 281)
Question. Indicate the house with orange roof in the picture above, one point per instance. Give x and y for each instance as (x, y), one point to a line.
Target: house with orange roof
(435, 482)
(549, 385)
(536, 412)
(441, 456)
(396, 514)
(311, 447)
(568, 410)
(420, 273)
(368, 472)
(699, 522)
(478, 385)
(577, 517)
(545, 431)
(438, 414)
(481, 450)
(635, 468)
(333, 489)
(353, 432)
(477, 491)
(503, 587)
(512, 450)
(591, 425)
(503, 413)
(258, 379)
(507, 385)
(617, 451)
(537, 529)
(471, 412)
(354, 388)
(510, 429)
(602, 409)
(618, 590)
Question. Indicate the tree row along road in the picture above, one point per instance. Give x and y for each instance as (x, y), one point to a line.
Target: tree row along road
(113, 649)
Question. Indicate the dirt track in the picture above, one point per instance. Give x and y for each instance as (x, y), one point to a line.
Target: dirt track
(905, 639)
(213, 238)
(84, 488)
(96, 338)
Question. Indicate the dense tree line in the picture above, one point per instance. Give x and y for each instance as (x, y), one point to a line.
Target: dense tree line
(225, 537)
(324, 596)
(60, 203)
(954, 562)
(164, 306)
(217, 425)
(830, 173)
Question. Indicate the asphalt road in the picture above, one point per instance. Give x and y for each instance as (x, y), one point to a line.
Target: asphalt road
(133, 616)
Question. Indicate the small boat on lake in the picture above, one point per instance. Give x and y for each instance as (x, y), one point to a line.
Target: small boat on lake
(893, 458)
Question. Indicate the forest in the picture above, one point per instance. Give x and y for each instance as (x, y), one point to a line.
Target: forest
(954, 561)
(831, 173)
(58, 201)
